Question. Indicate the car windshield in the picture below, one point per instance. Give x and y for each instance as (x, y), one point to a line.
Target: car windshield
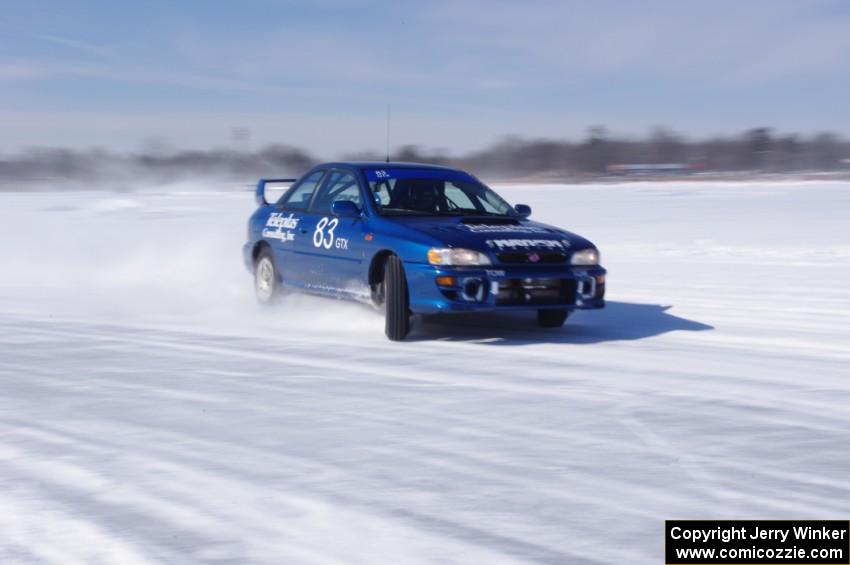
(433, 192)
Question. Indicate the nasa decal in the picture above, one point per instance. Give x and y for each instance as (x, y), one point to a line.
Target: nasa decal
(558, 244)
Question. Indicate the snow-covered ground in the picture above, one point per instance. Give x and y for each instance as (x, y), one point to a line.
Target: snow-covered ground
(150, 412)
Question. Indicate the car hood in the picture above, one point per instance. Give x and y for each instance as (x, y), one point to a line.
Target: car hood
(488, 234)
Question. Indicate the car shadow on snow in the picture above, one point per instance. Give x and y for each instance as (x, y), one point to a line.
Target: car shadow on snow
(618, 321)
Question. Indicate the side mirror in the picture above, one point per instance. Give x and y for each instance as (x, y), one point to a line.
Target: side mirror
(345, 208)
(524, 210)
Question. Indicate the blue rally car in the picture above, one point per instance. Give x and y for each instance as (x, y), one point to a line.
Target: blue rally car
(416, 239)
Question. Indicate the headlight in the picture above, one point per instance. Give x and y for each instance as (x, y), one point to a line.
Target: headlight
(585, 257)
(457, 257)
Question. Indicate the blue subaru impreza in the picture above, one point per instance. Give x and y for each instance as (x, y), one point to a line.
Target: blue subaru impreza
(416, 239)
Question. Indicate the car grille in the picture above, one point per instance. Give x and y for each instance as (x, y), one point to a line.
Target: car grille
(532, 257)
(536, 291)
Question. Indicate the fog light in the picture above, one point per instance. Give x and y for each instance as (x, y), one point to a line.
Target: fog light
(587, 287)
(473, 290)
(446, 281)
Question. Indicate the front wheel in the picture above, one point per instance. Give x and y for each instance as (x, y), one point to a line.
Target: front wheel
(396, 300)
(266, 278)
(552, 317)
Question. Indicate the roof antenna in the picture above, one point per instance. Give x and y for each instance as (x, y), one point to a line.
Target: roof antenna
(388, 133)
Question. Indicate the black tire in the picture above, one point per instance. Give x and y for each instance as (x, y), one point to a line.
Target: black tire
(552, 317)
(397, 301)
(266, 288)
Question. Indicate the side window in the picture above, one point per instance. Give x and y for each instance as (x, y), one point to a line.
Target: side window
(382, 191)
(299, 198)
(339, 185)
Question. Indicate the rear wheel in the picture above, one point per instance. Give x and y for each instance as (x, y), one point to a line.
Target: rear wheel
(266, 278)
(396, 300)
(552, 318)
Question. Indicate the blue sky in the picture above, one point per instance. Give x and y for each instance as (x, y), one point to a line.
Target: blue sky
(459, 75)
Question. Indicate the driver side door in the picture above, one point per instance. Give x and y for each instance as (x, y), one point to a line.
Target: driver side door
(334, 246)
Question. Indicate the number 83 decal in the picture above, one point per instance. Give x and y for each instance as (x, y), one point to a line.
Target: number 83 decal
(324, 234)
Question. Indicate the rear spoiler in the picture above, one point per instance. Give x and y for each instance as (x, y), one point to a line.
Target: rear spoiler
(260, 193)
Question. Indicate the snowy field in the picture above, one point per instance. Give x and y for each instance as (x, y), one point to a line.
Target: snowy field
(151, 413)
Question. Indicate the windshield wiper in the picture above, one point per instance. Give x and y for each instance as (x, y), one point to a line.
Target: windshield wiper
(471, 213)
(403, 212)
(447, 213)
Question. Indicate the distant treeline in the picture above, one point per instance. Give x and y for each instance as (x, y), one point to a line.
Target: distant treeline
(755, 151)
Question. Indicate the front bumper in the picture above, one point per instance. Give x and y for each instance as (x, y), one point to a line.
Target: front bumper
(504, 288)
